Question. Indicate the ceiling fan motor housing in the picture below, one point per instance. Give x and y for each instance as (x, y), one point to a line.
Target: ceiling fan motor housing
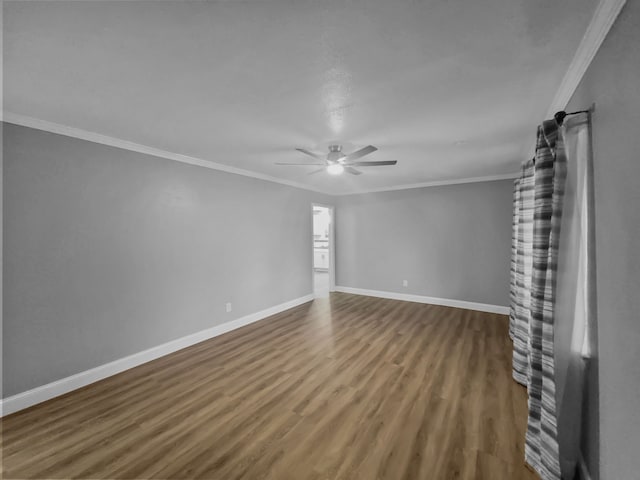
(335, 153)
(336, 162)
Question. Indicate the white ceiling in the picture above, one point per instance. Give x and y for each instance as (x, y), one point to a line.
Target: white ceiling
(450, 89)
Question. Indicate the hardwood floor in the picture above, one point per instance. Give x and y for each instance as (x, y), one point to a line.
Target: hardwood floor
(345, 387)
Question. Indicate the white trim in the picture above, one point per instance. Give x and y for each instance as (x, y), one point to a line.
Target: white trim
(447, 302)
(584, 470)
(601, 22)
(52, 127)
(437, 183)
(65, 385)
(605, 14)
(332, 249)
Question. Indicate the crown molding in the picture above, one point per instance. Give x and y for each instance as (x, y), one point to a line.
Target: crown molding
(605, 14)
(44, 125)
(437, 183)
(603, 18)
(57, 128)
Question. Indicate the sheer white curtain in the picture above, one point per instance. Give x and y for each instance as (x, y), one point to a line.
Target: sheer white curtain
(575, 309)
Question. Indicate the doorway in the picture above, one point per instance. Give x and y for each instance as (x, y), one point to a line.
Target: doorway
(323, 267)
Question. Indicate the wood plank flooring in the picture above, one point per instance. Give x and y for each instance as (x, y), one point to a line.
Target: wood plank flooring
(345, 387)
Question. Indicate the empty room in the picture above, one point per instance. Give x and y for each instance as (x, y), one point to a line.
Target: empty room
(341, 239)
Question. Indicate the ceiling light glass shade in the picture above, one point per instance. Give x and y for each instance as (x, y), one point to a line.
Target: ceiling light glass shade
(335, 169)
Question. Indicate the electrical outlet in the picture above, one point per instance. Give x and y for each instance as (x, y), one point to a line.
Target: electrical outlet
(228, 307)
(405, 283)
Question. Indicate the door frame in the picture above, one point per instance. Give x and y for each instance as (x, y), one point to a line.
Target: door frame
(332, 249)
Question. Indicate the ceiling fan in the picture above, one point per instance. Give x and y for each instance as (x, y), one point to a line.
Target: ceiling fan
(335, 162)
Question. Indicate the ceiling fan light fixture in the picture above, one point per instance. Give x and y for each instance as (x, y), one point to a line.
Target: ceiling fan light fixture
(335, 169)
(335, 162)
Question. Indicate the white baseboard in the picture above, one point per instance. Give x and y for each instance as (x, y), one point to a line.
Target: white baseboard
(59, 387)
(447, 302)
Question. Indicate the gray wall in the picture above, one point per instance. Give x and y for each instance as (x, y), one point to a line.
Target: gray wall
(109, 252)
(612, 82)
(450, 242)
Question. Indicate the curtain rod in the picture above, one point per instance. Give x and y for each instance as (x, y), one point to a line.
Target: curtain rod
(559, 116)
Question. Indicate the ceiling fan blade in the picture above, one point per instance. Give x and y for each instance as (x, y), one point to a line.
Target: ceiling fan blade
(352, 171)
(317, 171)
(372, 164)
(360, 153)
(314, 155)
(280, 163)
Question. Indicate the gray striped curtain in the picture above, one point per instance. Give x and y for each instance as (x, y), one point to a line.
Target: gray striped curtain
(521, 266)
(537, 212)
